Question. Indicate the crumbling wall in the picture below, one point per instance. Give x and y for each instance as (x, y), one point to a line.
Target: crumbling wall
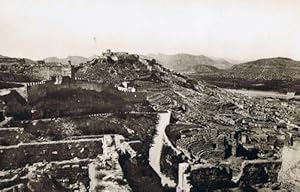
(12, 157)
(289, 173)
(210, 177)
(259, 172)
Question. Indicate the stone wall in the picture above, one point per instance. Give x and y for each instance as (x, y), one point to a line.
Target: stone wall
(205, 177)
(289, 173)
(16, 156)
(67, 173)
(259, 172)
(46, 72)
(217, 177)
(40, 90)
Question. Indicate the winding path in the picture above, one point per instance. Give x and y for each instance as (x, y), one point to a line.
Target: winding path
(155, 150)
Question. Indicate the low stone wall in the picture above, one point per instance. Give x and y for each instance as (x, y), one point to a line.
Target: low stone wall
(13, 157)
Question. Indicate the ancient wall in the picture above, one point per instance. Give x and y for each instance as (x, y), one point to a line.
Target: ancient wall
(289, 173)
(67, 173)
(46, 72)
(12, 157)
(40, 90)
(210, 177)
(259, 172)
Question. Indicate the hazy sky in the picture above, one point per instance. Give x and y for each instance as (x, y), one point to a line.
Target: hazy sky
(237, 29)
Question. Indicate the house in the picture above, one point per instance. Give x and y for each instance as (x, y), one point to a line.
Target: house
(125, 87)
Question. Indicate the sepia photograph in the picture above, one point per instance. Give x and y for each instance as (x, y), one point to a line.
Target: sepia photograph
(149, 96)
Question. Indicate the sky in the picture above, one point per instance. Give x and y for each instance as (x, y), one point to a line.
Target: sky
(236, 29)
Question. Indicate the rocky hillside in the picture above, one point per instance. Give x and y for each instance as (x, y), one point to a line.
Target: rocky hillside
(266, 69)
(190, 101)
(187, 63)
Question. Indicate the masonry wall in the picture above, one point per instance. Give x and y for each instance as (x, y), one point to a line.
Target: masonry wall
(260, 171)
(289, 174)
(211, 178)
(45, 72)
(40, 90)
(252, 172)
(13, 157)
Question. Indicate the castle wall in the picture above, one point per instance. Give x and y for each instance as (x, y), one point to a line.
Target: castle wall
(36, 90)
(46, 72)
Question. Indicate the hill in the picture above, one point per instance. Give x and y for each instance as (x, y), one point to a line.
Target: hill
(190, 101)
(270, 74)
(278, 68)
(187, 63)
(76, 60)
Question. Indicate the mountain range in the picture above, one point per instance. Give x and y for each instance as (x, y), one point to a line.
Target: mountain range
(75, 60)
(278, 68)
(184, 63)
(187, 63)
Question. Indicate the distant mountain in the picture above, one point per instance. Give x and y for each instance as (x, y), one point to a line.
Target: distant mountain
(6, 59)
(75, 60)
(270, 74)
(278, 68)
(187, 63)
(202, 69)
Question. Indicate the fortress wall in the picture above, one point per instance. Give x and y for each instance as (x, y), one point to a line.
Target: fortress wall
(46, 72)
(41, 90)
(17, 156)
